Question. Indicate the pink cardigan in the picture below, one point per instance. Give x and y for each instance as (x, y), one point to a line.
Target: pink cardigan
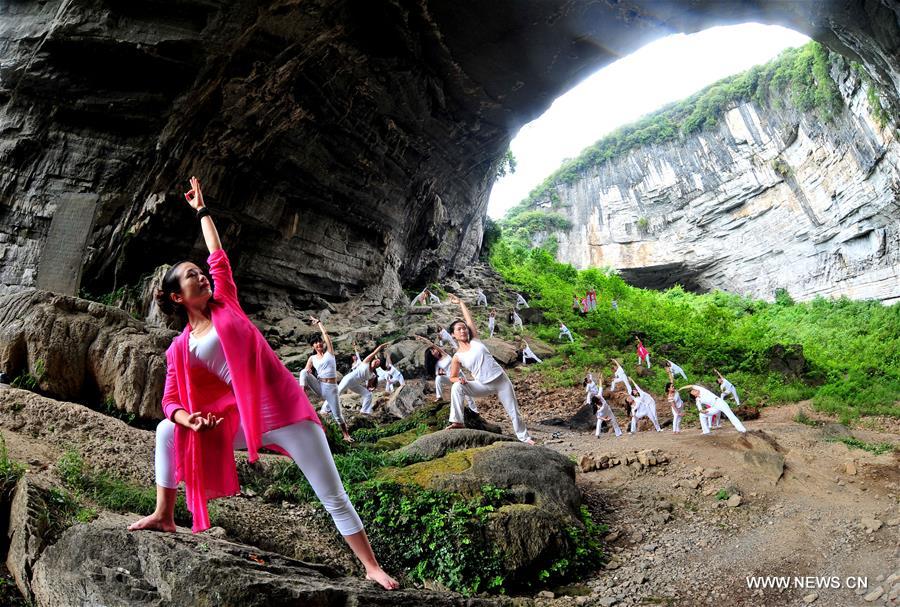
(205, 460)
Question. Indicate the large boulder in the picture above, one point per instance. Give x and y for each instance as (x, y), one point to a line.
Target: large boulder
(405, 399)
(439, 444)
(541, 348)
(503, 351)
(82, 350)
(532, 316)
(101, 563)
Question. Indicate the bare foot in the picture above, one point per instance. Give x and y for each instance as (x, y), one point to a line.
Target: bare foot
(349, 439)
(386, 581)
(455, 426)
(154, 522)
(528, 442)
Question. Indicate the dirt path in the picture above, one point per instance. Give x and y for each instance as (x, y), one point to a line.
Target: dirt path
(672, 542)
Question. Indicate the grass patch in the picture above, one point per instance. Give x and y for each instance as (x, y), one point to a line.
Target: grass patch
(109, 492)
(855, 443)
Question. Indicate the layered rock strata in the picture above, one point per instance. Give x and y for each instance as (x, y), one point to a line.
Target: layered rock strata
(345, 145)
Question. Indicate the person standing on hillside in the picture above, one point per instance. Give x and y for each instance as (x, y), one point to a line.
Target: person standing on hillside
(591, 388)
(516, 320)
(481, 298)
(644, 406)
(726, 388)
(359, 378)
(675, 402)
(324, 382)
(604, 413)
(564, 331)
(711, 405)
(444, 338)
(520, 301)
(576, 303)
(492, 322)
(642, 353)
(425, 298)
(437, 364)
(672, 368)
(619, 376)
(528, 353)
(226, 389)
(489, 376)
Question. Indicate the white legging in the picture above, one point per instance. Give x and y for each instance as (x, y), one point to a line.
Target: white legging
(615, 425)
(650, 414)
(346, 384)
(720, 408)
(442, 381)
(502, 387)
(647, 357)
(304, 441)
(326, 391)
(676, 419)
(617, 380)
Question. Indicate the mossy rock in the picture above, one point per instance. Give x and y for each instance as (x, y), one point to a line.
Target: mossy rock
(429, 474)
(396, 441)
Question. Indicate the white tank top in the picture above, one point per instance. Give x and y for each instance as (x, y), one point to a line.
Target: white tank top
(207, 351)
(444, 365)
(326, 367)
(478, 360)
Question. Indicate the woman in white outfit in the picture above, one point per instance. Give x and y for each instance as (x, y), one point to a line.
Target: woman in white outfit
(437, 363)
(604, 413)
(445, 339)
(481, 298)
(673, 369)
(390, 375)
(591, 388)
(358, 379)
(644, 406)
(712, 405)
(619, 377)
(489, 376)
(425, 298)
(492, 322)
(675, 402)
(528, 353)
(516, 321)
(564, 330)
(324, 382)
(356, 358)
(520, 301)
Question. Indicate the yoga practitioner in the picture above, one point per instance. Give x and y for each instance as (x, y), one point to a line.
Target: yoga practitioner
(425, 298)
(516, 320)
(492, 322)
(358, 380)
(619, 376)
(528, 353)
(726, 388)
(226, 389)
(604, 413)
(644, 406)
(591, 388)
(564, 330)
(437, 363)
(324, 382)
(642, 353)
(445, 339)
(672, 369)
(675, 401)
(576, 305)
(520, 301)
(390, 375)
(489, 376)
(481, 298)
(710, 405)
(615, 305)
(356, 358)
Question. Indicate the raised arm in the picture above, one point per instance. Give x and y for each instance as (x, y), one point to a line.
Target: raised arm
(671, 375)
(431, 344)
(378, 349)
(467, 316)
(325, 337)
(195, 199)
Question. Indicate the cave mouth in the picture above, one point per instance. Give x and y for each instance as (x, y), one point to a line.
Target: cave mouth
(665, 276)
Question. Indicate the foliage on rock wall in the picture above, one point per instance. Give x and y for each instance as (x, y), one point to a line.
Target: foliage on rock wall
(523, 227)
(851, 348)
(799, 74)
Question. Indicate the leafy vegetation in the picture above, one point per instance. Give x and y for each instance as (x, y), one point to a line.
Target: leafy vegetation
(851, 348)
(10, 472)
(522, 228)
(873, 96)
(855, 443)
(507, 165)
(801, 74)
(28, 380)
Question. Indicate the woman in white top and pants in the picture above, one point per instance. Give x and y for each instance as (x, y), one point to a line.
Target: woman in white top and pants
(489, 376)
(324, 382)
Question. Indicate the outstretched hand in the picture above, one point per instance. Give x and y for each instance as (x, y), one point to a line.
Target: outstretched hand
(314, 320)
(454, 299)
(194, 196)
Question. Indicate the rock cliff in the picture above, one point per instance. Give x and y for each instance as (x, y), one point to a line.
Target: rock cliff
(772, 198)
(345, 145)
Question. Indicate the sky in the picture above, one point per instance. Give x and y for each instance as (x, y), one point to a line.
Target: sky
(664, 71)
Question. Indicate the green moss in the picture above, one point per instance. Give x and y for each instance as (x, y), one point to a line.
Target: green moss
(423, 474)
(389, 443)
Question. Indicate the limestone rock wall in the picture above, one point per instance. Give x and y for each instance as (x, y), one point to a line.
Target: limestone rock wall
(346, 146)
(772, 198)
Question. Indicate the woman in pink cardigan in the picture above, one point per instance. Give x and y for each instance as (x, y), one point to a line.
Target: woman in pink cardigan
(226, 389)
